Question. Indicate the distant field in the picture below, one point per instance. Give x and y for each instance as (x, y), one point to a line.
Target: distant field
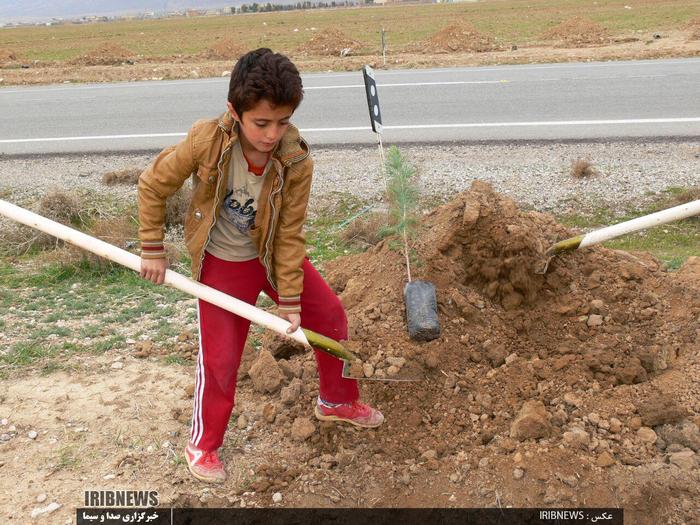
(509, 21)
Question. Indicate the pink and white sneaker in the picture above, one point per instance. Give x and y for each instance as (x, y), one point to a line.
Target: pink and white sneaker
(355, 413)
(205, 466)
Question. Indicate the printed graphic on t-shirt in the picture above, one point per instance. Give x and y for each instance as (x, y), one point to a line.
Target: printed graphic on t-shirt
(238, 208)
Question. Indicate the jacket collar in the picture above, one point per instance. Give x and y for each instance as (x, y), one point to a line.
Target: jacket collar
(291, 149)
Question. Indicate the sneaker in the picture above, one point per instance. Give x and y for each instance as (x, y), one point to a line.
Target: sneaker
(203, 465)
(355, 413)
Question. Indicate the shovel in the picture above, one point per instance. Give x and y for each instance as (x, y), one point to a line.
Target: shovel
(308, 338)
(676, 213)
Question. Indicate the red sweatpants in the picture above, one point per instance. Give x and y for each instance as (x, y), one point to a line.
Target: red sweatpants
(222, 337)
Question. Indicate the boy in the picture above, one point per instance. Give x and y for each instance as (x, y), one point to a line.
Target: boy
(244, 231)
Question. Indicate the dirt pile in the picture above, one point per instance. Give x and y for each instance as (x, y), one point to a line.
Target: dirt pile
(459, 37)
(329, 42)
(105, 54)
(225, 49)
(7, 56)
(557, 364)
(693, 27)
(577, 32)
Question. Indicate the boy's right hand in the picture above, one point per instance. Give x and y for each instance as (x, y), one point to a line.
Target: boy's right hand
(154, 269)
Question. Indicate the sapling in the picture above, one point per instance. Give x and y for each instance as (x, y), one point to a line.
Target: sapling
(403, 195)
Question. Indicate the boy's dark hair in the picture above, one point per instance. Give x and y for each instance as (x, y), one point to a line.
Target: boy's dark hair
(262, 74)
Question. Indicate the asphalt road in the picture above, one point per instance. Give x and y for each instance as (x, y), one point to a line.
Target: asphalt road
(659, 98)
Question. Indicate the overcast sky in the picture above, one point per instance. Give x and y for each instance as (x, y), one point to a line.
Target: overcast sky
(18, 10)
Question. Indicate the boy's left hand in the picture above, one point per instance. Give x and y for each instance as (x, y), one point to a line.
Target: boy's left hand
(295, 319)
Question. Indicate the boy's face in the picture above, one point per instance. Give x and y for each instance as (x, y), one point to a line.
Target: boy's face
(263, 125)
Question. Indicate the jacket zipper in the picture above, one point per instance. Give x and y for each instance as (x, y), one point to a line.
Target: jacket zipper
(270, 235)
(216, 203)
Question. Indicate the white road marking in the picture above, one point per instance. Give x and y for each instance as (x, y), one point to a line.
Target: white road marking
(407, 126)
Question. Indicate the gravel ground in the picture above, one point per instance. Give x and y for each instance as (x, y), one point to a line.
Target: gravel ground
(536, 175)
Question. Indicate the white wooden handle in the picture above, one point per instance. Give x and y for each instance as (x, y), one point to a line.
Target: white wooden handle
(174, 279)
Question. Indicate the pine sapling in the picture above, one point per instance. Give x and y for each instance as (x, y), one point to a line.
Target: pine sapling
(403, 195)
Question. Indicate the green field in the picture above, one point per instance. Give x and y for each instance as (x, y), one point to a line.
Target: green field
(509, 21)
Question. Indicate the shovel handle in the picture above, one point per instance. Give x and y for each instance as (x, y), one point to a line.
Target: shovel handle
(174, 279)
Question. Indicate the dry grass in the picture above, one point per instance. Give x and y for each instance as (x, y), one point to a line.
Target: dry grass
(365, 231)
(687, 195)
(128, 176)
(176, 207)
(582, 168)
(60, 206)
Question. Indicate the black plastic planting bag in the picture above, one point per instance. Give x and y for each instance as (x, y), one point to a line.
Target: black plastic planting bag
(421, 311)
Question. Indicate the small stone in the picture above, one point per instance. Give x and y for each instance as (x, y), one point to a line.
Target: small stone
(368, 369)
(454, 478)
(531, 422)
(518, 473)
(51, 507)
(635, 423)
(594, 418)
(594, 320)
(684, 460)
(511, 358)
(484, 462)
(32, 434)
(518, 457)
(291, 392)
(277, 497)
(302, 429)
(615, 425)
(572, 399)
(647, 435)
(429, 454)
(605, 460)
(4, 422)
(41, 498)
(392, 371)
(265, 373)
(109, 476)
(577, 437)
(117, 365)
(396, 361)
(269, 413)
(242, 422)
(5, 437)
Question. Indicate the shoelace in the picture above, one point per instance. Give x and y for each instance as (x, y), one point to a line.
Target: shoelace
(210, 459)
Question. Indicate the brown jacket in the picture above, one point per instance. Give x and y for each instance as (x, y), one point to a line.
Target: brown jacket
(278, 229)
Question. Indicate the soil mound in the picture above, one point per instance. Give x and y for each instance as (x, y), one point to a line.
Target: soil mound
(105, 54)
(225, 49)
(7, 55)
(519, 352)
(329, 42)
(576, 32)
(459, 37)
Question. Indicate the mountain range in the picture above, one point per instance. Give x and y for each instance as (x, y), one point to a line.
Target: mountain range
(40, 10)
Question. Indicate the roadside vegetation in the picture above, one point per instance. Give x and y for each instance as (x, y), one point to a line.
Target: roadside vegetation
(60, 302)
(510, 22)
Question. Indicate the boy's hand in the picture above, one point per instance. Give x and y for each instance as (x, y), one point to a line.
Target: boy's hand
(295, 319)
(154, 269)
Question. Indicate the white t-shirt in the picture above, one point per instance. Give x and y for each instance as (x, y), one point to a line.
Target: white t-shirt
(229, 239)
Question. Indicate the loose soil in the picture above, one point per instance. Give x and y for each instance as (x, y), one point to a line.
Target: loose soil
(577, 32)
(329, 42)
(634, 46)
(459, 37)
(105, 54)
(225, 49)
(604, 344)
